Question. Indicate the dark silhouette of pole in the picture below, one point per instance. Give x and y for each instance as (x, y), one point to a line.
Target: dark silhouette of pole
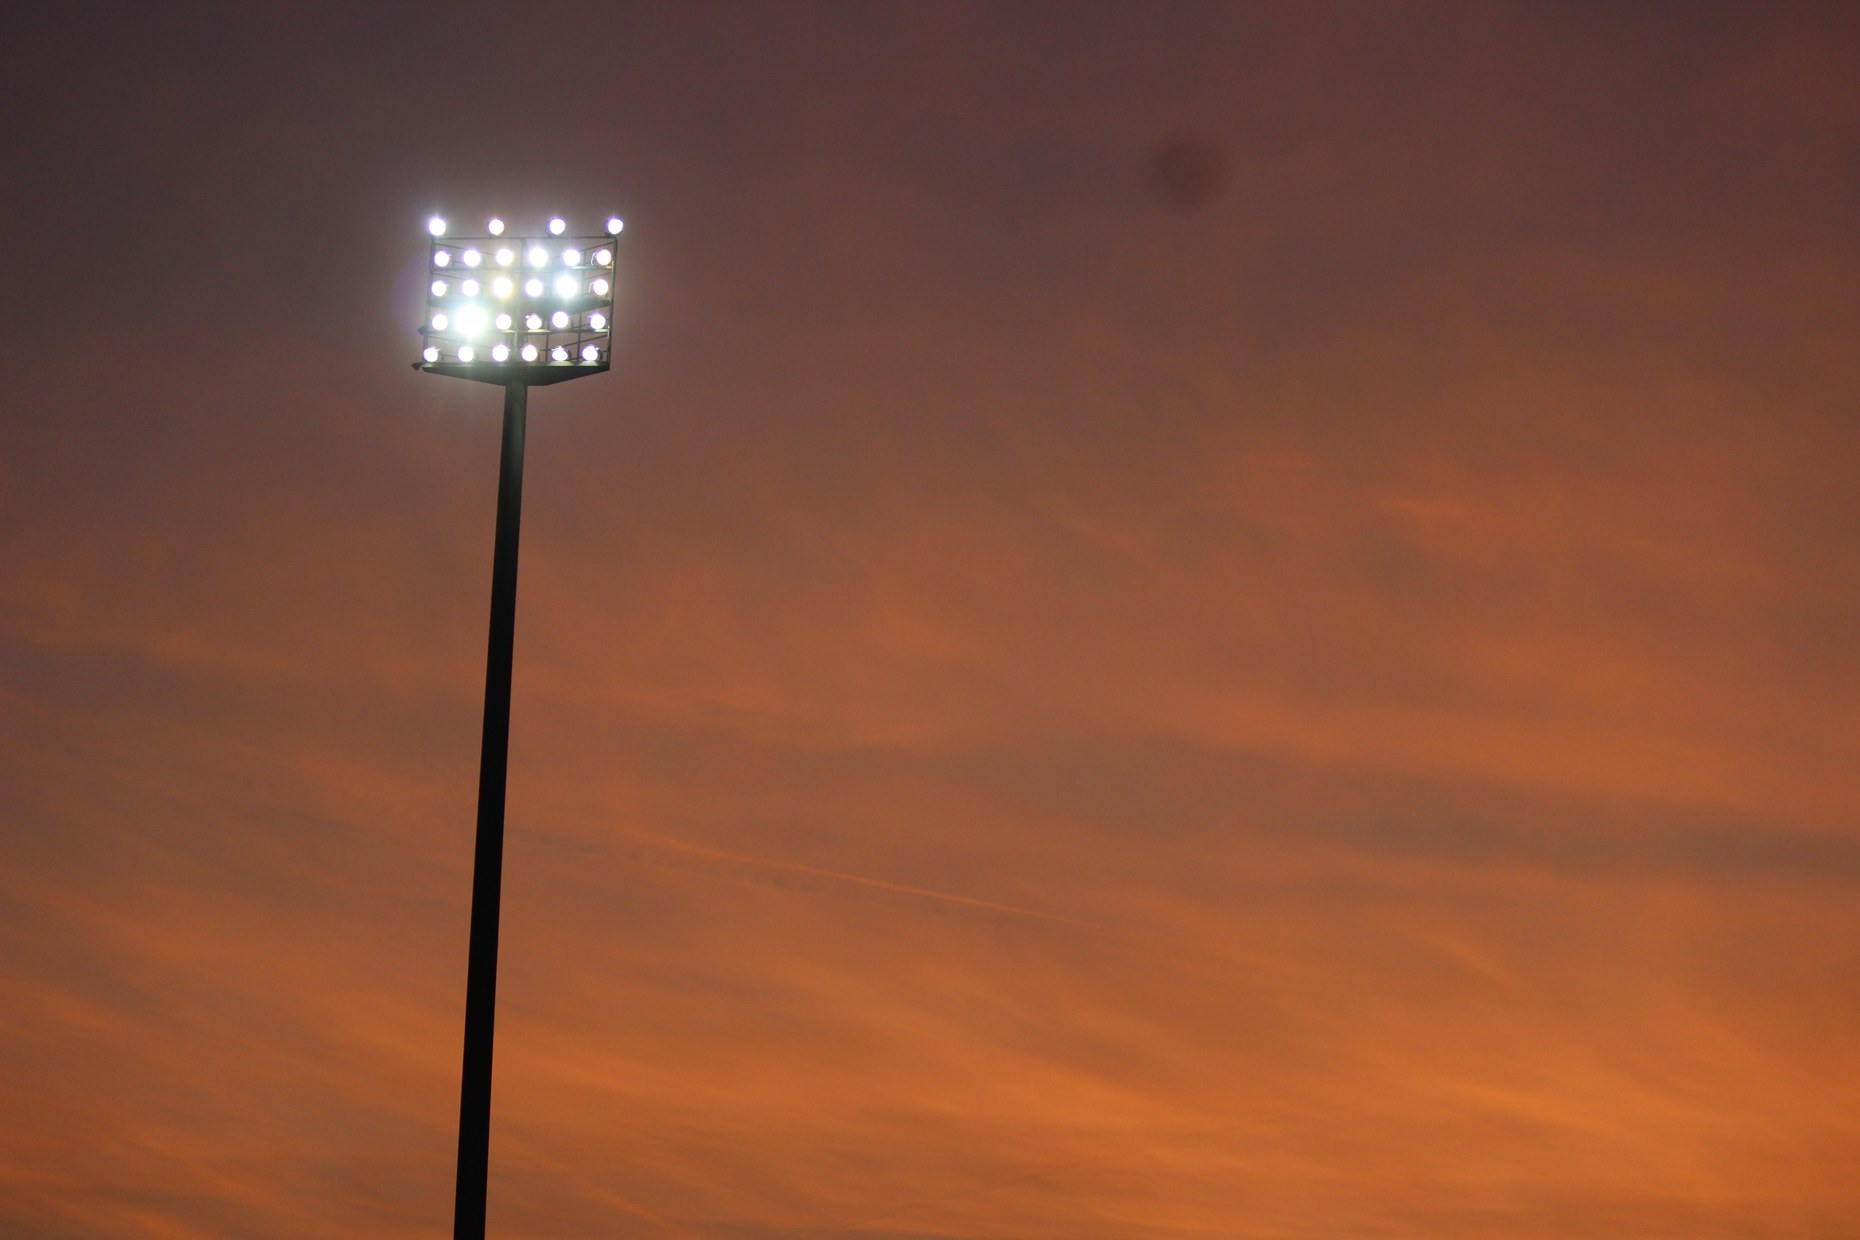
(488, 862)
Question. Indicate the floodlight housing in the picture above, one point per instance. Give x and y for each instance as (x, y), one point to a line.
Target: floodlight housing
(558, 325)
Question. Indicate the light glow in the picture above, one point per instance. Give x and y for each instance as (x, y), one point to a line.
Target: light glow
(604, 257)
(597, 321)
(473, 258)
(471, 320)
(571, 258)
(590, 354)
(436, 226)
(559, 320)
(558, 354)
(469, 288)
(496, 226)
(466, 353)
(500, 352)
(430, 354)
(503, 322)
(529, 352)
(502, 286)
(533, 322)
(599, 287)
(439, 288)
(506, 256)
(539, 257)
(566, 286)
(533, 287)
(556, 226)
(442, 258)
(439, 322)
(615, 224)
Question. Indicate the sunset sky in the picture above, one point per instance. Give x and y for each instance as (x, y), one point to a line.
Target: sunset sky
(1178, 621)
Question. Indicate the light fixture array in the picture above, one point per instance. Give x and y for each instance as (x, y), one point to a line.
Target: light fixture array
(502, 307)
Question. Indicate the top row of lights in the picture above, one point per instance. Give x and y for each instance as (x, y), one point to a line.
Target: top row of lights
(557, 225)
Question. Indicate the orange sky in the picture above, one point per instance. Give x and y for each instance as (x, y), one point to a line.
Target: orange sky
(1053, 697)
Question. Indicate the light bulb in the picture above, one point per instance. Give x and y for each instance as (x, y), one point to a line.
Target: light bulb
(558, 354)
(589, 353)
(571, 258)
(566, 286)
(439, 322)
(503, 322)
(500, 352)
(533, 287)
(469, 288)
(436, 226)
(430, 354)
(615, 224)
(465, 353)
(473, 258)
(556, 226)
(604, 257)
(598, 287)
(471, 319)
(539, 257)
(506, 256)
(439, 288)
(559, 320)
(529, 352)
(533, 322)
(502, 286)
(442, 258)
(597, 321)
(497, 229)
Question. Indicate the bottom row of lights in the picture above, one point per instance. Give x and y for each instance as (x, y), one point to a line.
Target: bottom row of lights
(529, 353)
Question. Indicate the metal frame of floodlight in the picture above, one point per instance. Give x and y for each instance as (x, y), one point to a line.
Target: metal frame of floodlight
(573, 346)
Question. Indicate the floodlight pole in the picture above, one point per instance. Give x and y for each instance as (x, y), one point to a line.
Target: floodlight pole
(488, 861)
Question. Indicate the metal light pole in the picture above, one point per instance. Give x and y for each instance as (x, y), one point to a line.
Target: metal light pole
(519, 312)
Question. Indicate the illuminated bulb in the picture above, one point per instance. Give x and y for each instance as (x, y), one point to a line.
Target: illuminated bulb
(539, 257)
(500, 352)
(529, 352)
(439, 322)
(556, 226)
(503, 322)
(502, 286)
(558, 354)
(465, 353)
(533, 287)
(604, 257)
(615, 224)
(565, 286)
(506, 256)
(431, 354)
(473, 258)
(497, 229)
(559, 320)
(471, 320)
(598, 287)
(597, 321)
(439, 288)
(436, 226)
(442, 258)
(571, 258)
(533, 322)
(469, 288)
(589, 353)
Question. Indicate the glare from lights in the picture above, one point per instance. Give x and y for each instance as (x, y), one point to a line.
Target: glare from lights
(503, 322)
(430, 354)
(590, 354)
(471, 320)
(556, 226)
(465, 353)
(533, 287)
(558, 354)
(539, 257)
(597, 321)
(469, 288)
(502, 286)
(473, 258)
(529, 352)
(615, 224)
(500, 352)
(439, 322)
(566, 286)
(604, 257)
(442, 258)
(506, 256)
(496, 226)
(559, 320)
(599, 287)
(571, 258)
(439, 288)
(533, 322)
(436, 226)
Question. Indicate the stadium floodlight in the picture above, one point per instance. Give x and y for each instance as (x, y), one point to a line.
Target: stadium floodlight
(561, 336)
